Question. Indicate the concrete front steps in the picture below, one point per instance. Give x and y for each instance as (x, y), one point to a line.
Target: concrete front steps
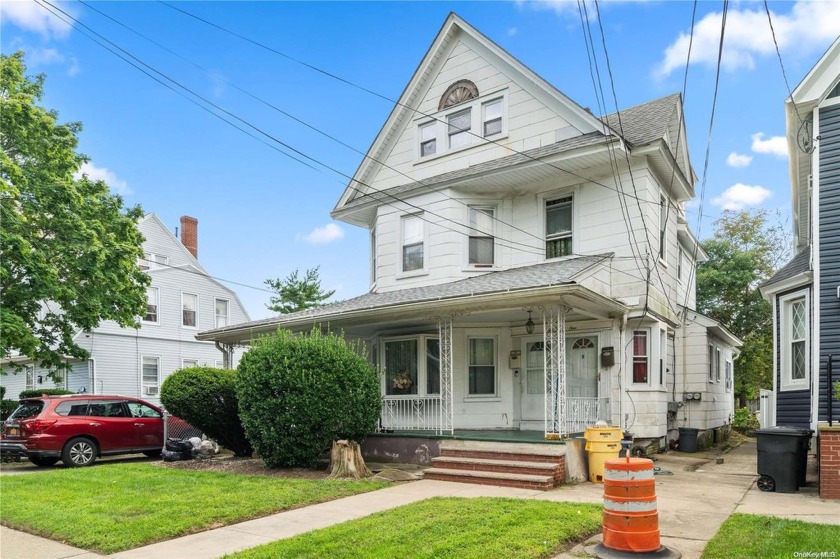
(523, 465)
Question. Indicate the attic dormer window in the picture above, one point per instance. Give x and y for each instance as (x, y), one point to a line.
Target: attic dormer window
(458, 92)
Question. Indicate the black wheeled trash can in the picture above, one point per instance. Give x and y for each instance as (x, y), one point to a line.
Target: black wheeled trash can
(688, 439)
(782, 458)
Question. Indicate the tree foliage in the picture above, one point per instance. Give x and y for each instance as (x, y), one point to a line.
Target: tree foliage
(205, 397)
(68, 247)
(296, 294)
(744, 252)
(298, 394)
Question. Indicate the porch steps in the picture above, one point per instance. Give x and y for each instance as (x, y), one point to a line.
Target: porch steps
(528, 466)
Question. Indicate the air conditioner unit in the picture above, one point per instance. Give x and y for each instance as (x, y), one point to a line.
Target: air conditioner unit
(151, 390)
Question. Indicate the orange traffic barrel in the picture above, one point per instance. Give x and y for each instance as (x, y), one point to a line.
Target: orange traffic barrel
(631, 521)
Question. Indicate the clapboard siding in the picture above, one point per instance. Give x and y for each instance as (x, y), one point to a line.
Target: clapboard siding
(829, 204)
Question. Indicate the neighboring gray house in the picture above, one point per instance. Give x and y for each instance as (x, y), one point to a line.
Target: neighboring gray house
(183, 299)
(805, 293)
(509, 259)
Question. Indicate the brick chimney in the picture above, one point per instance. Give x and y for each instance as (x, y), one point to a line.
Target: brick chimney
(189, 234)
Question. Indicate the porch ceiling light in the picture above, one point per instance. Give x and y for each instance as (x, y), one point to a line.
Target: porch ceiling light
(529, 326)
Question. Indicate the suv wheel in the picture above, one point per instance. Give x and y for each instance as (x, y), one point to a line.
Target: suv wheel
(78, 452)
(43, 461)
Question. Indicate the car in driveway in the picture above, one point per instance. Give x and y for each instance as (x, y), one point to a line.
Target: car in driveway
(79, 428)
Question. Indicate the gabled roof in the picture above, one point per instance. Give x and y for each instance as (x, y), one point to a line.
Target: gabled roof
(153, 218)
(408, 102)
(548, 274)
(799, 264)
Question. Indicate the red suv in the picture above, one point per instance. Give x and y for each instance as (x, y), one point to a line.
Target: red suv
(79, 428)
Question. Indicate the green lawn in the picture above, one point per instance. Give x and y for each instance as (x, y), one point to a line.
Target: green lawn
(456, 528)
(748, 535)
(110, 508)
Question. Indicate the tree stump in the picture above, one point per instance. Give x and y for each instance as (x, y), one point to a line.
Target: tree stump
(346, 461)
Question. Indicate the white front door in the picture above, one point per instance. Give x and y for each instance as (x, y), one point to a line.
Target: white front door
(581, 374)
(582, 367)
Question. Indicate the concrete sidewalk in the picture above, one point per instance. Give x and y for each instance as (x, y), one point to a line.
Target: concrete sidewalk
(693, 501)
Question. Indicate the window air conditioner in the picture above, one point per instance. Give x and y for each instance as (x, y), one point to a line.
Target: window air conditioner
(150, 390)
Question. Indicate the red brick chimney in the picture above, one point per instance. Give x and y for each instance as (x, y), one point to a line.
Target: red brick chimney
(189, 234)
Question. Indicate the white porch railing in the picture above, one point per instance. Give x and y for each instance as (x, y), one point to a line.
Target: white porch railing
(584, 412)
(410, 414)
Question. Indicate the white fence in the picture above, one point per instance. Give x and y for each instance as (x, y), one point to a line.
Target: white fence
(410, 414)
(584, 412)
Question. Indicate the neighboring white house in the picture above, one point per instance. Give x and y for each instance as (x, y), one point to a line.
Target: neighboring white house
(805, 293)
(530, 263)
(182, 300)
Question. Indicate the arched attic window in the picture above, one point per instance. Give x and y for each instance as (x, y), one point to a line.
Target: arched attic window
(458, 92)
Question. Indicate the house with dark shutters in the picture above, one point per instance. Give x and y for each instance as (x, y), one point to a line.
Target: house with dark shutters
(805, 293)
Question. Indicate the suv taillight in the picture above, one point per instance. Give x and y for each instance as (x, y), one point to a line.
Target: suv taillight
(36, 426)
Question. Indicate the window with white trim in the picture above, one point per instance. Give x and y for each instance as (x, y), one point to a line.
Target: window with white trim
(717, 365)
(413, 243)
(150, 375)
(640, 357)
(222, 313)
(663, 355)
(30, 377)
(464, 120)
(411, 366)
(373, 255)
(152, 302)
(558, 227)
(459, 128)
(795, 341)
(491, 118)
(711, 363)
(151, 261)
(481, 241)
(189, 310)
(428, 139)
(728, 377)
(663, 226)
(189, 363)
(482, 367)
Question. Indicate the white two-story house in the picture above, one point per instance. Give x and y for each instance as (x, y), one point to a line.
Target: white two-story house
(182, 300)
(530, 263)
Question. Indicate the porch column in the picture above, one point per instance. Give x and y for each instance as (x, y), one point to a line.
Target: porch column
(227, 354)
(447, 399)
(554, 342)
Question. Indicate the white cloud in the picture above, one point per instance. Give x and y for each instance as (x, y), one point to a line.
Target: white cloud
(37, 56)
(95, 173)
(775, 145)
(29, 16)
(807, 27)
(512, 31)
(739, 196)
(738, 160)
(569, 7)
(323, 235)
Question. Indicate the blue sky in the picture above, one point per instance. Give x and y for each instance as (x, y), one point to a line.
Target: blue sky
(263, 215)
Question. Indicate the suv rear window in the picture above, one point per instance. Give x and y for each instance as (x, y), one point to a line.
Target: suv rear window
(73, 407)
(27, 409)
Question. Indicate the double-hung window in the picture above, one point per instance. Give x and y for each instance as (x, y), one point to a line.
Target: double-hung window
(222, 313)
(492, 118)
(640, 357)
(152, 302)
(717, 365)
(663, 226)
(795, 346)
(558, 227)
(728, 378)
(412, 366)
(428, 139)
(482, 241)
(150, 261)
(711, 363)
(482, 367)
(189, 310)
(150, 375)
(30, 377)
(413, 237)
(459, 128)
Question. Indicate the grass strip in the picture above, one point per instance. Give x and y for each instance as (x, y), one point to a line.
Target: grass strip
(750, 535)
(446, 528)
(110, 508)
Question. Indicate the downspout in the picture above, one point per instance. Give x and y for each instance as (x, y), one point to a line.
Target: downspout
(621, 356)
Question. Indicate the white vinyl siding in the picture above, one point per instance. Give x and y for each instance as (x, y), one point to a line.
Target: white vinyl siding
(189, 310)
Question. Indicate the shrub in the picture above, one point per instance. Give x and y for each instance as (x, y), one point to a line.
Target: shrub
(7, 407)
(205, 397)
(297, 394)
(36, 392)
(2, 392)
(744, 420)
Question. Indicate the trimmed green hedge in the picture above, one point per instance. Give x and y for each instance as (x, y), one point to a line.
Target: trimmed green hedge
(298, 393)
(41, 391)
(205, 397)
(7, 407)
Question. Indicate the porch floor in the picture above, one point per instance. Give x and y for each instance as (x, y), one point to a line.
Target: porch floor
(493, 435)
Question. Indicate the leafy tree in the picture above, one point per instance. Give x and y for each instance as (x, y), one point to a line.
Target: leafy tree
(296, 294)
(68, 248)
(744, 252)
(299, 393)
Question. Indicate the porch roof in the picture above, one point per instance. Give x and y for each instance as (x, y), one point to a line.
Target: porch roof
(536, 284)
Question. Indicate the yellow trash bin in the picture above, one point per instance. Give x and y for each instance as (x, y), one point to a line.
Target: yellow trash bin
(602, 444)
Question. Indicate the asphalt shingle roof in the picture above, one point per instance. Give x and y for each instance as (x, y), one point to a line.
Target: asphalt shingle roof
(645, 123)
(799, 264)
(539, 275)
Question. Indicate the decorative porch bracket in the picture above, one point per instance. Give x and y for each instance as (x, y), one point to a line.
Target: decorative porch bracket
(447, 401)
(554, 356)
